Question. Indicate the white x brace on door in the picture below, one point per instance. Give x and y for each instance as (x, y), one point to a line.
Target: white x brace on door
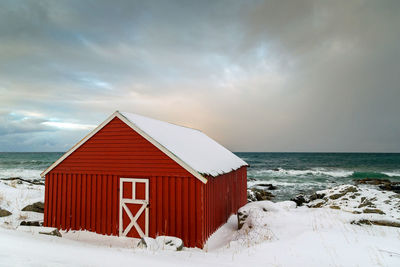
(138, 199)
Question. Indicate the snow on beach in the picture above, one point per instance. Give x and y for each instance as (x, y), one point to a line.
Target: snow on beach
(272, 234)
(14, 196)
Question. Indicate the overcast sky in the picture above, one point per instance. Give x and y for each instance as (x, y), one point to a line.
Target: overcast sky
(254, 75)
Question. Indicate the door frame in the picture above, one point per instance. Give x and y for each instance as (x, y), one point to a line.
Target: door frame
(133, 200)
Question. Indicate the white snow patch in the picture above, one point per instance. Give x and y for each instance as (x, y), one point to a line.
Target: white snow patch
(363, 200)
(14, 197)
(161, 243)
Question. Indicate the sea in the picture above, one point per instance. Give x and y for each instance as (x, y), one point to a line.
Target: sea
(291, 173)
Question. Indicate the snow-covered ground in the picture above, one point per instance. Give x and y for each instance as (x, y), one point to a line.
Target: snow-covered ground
(14, 196)
(273, 234)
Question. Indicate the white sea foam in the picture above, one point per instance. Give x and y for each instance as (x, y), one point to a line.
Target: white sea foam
(273, 182)
(314, 172)
(28, 174)
(392, 174)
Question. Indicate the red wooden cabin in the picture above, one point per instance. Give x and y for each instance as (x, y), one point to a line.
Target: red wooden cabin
(135, 176)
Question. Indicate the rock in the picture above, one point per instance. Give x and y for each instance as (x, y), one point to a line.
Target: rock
(300, 200)
(258, 194)
(20, 180)
(269, 186)
(241, 216)
(4, 213)
(55, 232)
(336, 196)
(148, 242)
(349, 189)
(250, 196)
(372, 181)
(170, 243)
(391, 187)
(316, 196)
(317, 205)
(35, 207)
(378, 211)
(384, 184)
(31, 223)
(395, 196)
(276, 169)
(161, 243)
(334, 207)
(377, 222)
(366, 203)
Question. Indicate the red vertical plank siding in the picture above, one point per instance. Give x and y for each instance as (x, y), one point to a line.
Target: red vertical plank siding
(56, 197)
(165, 206)
(82, 192)
(244, 187)
(210, 202)
(219, 199)
(92, 206)
(198, 199)
(84, 201)
(48, 208)
(185, 192)
(64, 201)
(52, 201)
(68, 199)
(172, 205)
(223, 196)
(78, 201)
(207, 204)
(152, 209)
(97, 202)
(73, 202)
(46, 200)
(115, 205)
(58, 210)
(53, 194)
(192, 214)
(159, 206)
(103, 218)
(109, 204)
(178, 206)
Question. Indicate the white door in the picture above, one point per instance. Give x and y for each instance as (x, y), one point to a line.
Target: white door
(133, 208)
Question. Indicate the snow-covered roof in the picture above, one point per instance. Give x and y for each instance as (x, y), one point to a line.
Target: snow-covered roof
(190, 148)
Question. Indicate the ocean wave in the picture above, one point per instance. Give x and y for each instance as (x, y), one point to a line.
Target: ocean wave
(28, 174)
(311, 172)
(282, 184)
(392, 174)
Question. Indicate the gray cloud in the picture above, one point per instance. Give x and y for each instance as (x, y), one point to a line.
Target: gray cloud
(256, 75)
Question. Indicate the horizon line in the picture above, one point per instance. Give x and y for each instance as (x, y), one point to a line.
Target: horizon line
(303, 152)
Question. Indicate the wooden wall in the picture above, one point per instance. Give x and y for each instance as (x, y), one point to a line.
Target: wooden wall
(223, 196)
(75, 201)
(82, 192)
